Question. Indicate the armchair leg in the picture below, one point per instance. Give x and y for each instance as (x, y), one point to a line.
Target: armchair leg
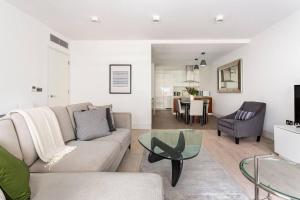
(219, 133)
(237, 140)
(258, 138)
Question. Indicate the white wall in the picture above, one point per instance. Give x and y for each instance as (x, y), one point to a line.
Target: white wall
(271, 67)
(90, 76)
(24, 46)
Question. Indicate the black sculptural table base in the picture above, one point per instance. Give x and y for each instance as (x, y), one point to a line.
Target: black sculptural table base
(176, 167)
(173, 153)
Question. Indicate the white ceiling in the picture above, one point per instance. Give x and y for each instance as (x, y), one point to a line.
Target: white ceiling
(131, 19)
(182, 54)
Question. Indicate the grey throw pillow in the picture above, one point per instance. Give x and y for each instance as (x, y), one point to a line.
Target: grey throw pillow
(91, 124)
(111, 121)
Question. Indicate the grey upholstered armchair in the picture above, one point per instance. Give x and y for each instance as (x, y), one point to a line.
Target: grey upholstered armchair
(244, 128)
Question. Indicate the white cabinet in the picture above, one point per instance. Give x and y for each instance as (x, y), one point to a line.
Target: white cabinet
(287, 142)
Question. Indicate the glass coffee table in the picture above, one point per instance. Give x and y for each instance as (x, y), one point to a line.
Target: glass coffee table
(274, 175)
(175, 145)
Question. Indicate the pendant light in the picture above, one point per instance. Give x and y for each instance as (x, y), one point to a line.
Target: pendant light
(203, 61)
(196, 66)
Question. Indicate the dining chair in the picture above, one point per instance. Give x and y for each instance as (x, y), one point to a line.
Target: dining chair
(206, 110)
(180, 109)
(196, 110)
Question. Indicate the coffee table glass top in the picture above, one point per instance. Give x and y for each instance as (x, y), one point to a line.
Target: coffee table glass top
(173, 144)
(275, 175)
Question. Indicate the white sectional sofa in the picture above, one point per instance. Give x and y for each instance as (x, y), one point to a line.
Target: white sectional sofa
(89, 171)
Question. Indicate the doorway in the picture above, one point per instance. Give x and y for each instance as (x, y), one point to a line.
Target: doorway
(58, 78)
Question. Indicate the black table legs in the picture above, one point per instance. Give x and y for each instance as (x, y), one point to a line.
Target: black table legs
(152, 158)
(176, 171)
(204, 116)
(186, 114)
(176, 167)
(171, 152)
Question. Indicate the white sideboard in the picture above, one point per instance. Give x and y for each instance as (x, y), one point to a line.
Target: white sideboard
(287, 142)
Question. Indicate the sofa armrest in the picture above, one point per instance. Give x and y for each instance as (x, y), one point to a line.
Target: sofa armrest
(122, 119)
(251, 127)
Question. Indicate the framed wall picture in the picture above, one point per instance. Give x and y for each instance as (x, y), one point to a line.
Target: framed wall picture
(120, 79)
(230, 78)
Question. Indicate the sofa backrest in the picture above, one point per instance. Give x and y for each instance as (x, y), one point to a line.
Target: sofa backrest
(9, 139)
(16, 138)
(253, 106)
(65, 123)
(75, 108)
(26, 143)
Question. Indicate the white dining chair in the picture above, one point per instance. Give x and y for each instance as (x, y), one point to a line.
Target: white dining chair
(196, 110)
(180, 109)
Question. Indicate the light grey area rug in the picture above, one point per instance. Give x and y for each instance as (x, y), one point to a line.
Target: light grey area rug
(202, 178)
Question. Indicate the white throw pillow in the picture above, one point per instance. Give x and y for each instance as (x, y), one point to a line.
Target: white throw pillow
(2, 197)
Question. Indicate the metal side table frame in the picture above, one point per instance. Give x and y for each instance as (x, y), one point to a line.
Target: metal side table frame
(257, 183)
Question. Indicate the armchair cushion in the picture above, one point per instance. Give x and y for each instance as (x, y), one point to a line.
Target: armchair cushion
(243, 115)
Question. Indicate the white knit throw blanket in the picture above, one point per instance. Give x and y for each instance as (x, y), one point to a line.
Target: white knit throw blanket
(46, 134)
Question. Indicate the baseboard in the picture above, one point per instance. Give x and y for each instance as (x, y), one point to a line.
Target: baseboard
(216, 115)
(268, 135)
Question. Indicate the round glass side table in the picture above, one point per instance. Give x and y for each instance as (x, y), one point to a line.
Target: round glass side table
(274, 175)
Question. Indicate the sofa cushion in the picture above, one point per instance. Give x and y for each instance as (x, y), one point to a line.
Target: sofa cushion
(109, 115)
(91, 124)
(14, 176)
(121, 135)
(228, 123)
(26, 143)
(110, 120)
(100, 186)
(76, 107)
(65, 123)
(243, 115)
(89, 156)
(9, 139)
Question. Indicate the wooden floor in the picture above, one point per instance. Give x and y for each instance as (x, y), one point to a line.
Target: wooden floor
(222, 149)
(163, 119)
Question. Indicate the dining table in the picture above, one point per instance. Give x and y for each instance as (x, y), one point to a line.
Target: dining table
(187, 104)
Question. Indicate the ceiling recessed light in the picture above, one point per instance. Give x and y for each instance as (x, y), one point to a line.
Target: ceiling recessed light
(219, 18)
(94, 19)
(155, 18)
